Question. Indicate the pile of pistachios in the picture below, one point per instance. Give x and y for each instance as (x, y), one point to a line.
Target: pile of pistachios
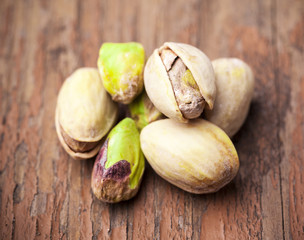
(181, 123)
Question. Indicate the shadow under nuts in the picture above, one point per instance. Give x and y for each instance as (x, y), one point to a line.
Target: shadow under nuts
(235, 84)
(197, 157)
(120, 164)
(179, 80)
(84, 113)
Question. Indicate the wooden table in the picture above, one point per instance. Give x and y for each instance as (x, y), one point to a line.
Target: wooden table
(45, 194)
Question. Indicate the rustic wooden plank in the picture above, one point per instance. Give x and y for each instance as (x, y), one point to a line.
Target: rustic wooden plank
(17, 153)
(46, 194)
(7, 25)
(172, 207)
(63, 56)
(248, 206)
(289, 22)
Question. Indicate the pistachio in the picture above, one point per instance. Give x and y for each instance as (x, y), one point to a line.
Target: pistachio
(179, 80)
(235, 85)
(84, 113)
(121, 68)
(120, 164)
(197, 157)
(142, 111)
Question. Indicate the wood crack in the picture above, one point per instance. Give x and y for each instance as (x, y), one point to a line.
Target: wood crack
(274, 37)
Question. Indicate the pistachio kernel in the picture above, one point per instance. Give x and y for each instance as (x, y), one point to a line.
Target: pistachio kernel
(120, 164)
(121, 68)
(186, 91)
(143, 112)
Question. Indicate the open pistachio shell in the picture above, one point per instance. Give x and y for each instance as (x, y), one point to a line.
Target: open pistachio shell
(120, 164)
(121, 68)
(84, 113)
(67, 148)
(159, 87)
(197, 157)
(235, 85)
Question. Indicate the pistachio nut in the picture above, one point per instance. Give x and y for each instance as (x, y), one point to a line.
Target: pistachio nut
(121, 68)
(235, 85)
(120, 164)
(197, 157)
(179, 80)
(142, 111)
(84, 113)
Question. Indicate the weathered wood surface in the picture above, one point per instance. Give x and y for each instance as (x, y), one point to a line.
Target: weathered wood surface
(45, 194)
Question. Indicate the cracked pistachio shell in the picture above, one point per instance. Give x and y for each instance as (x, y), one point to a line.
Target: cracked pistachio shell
(143, 112)
(158, 85)
(84, 110)
(121, 68)
(197, 157)
(235, 85)
(120, 164)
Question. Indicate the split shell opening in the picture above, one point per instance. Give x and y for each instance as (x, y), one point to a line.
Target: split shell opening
(180, 81)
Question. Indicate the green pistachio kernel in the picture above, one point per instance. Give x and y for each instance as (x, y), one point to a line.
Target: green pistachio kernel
(120, 164)
(189, 80)
(121, 68)
(143, 112)
(124, 145)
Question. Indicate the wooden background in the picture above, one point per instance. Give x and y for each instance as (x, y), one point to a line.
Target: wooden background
(44, 194)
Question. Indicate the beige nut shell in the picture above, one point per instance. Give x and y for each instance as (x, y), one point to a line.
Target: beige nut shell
(85, 110)
(75, 155)
(197, 157)
(235, 86)
(158, 85)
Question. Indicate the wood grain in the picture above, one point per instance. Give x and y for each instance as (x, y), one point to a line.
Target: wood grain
(44, 194)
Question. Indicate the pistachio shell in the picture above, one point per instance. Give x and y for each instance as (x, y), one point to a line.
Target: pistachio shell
(121, 67)
(158, 85)
(85, 112)
(198, 157)
(235, 85)
(120, 165)
(75, 155)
